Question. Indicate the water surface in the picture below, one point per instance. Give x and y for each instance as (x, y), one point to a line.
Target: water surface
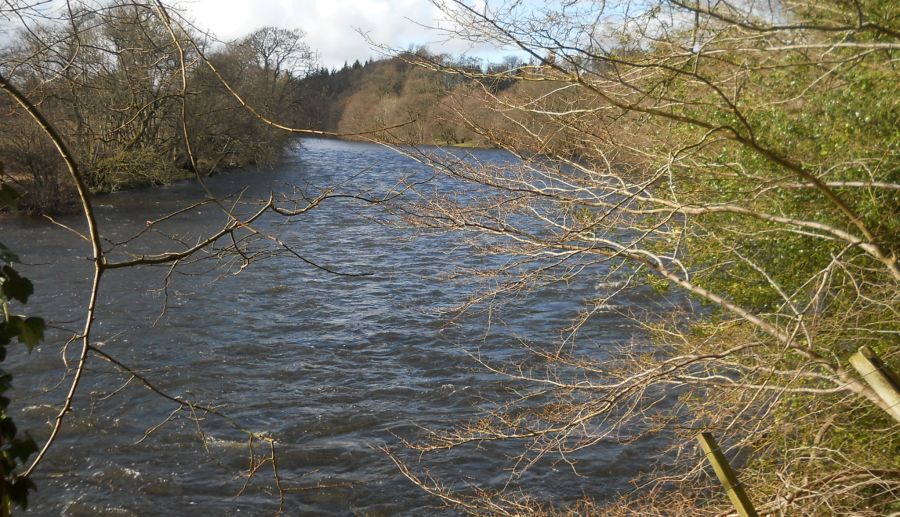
(331, 367)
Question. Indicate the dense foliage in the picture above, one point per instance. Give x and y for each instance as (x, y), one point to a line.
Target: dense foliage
(743, 155)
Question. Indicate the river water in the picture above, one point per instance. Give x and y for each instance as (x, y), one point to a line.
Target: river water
(331, 367)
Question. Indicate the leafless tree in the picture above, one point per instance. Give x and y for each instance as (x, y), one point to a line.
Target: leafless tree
(279, 53)
(742, 155)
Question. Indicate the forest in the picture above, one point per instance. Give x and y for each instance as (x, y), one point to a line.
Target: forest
(113, 79)
(741, 158)
(125, 112)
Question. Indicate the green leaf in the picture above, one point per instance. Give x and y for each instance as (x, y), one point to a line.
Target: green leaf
(8, 428)
(15, 286)
(22, 448)
(32, 331)
(10, 329)
(29, 331)
(7, 255)
(18, 492)
(6, 334)
(9, 197)
(7, 465)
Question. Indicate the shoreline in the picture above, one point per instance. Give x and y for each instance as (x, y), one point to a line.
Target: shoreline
(66, 202)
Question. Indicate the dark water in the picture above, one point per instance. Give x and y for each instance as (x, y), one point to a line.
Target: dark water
(331, 367)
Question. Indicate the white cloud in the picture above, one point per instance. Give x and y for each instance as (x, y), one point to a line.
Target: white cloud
(331, 25)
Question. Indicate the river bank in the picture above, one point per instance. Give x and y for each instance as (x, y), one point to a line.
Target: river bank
(54, 194)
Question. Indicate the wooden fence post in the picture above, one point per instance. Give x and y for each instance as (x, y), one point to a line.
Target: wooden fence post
(726, 475)
(880, 378)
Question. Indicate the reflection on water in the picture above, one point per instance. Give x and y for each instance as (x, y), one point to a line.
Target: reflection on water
(330, 367)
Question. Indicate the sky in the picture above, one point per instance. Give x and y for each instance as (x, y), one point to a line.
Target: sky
(332, 26)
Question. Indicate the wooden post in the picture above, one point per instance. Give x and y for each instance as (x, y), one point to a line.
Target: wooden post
(726, 475)
(880, 377)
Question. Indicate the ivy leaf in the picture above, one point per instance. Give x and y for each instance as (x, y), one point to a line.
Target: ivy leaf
(22, 448)
(29, 331)
(32, 331)
(7, 255)
(7, 429)
(15, 286)
(7, 332)
(9, 197)
(18, 492)
(10, 329)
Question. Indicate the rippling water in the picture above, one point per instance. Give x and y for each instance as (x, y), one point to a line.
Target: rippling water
(331, 367)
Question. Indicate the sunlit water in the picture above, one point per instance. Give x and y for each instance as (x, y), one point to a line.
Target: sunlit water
(331, 367)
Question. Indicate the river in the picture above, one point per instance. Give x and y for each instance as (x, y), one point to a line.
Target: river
(331, 367)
